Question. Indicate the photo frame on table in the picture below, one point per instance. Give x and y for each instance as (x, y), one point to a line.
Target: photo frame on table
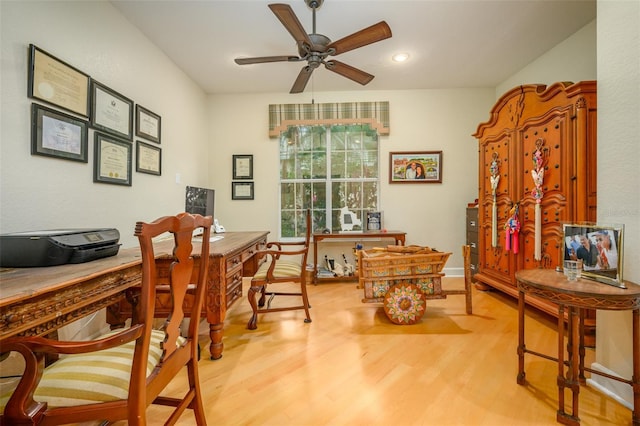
(148, 158)
(148, 124)
(111, 112)
(112, 160)
(55, 82)
(242, 167)
(242, 190)
(59, 135)
(601, 249)
(415, 167)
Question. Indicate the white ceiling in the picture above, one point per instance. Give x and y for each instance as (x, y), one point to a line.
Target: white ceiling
(452, 43)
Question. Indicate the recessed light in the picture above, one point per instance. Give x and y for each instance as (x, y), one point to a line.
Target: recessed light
(400, 57)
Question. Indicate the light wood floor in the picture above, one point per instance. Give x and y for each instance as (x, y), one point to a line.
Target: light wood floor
(352, 366)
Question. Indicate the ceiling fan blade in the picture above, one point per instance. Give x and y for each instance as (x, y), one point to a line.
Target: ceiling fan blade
(263, 59)
(372, 34)
(290, 21)
(302, 80)
(348, 71)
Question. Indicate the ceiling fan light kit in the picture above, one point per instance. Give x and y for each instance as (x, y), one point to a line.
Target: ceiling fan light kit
(315, 48)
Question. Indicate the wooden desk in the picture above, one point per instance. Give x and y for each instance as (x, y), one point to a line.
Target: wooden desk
(397, 236)
(577, 296)
(37, 301)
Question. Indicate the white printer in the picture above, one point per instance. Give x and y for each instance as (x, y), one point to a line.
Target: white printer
(57, 247)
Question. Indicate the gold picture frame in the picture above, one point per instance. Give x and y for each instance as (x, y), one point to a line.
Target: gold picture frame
(601, 249)
(415, 167)
(57, 83)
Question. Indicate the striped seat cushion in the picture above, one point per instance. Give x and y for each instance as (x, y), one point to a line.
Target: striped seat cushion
(90, 378)
(283, 269)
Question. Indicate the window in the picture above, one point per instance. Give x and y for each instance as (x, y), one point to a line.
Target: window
(325, 168)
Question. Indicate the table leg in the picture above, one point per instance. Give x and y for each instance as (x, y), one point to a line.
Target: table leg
(571, 378)
(581, 377)
(574, 361)
(216, 346)
(315, 261)
(521, 380)
(635, 379)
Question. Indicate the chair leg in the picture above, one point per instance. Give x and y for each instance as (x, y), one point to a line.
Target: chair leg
(251, 295)
(305, 302)
(262, 296)
(194, 383)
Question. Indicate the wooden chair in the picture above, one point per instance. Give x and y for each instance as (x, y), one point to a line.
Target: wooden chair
(287, 264)
(133, 365)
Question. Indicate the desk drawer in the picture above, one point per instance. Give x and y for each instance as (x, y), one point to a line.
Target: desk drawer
(250, 251)
(233, 262)
(234, 287)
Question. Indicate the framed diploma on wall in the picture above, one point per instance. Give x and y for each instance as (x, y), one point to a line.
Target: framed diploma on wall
(242, 190)
(242, 167)
(148, 124)
(148, 159)
(111, 112)
(112, 160)
(59, 135)
(57, 83)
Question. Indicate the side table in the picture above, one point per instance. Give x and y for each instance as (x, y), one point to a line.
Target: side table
(397, 236)
(573, 298)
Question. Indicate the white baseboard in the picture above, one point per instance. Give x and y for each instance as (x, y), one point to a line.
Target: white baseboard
(619, 391)
(453, 272)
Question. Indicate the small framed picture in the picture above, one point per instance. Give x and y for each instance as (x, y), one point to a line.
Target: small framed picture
(599, 247)
(112, 160)
(111, 112)
(57, 83)
(148, 124)
(148, 158)
(242, 190)
(59, 135)
(415, 167)
(242, 167)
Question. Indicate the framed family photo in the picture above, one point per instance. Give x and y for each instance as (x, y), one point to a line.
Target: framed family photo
(415, 167)
(599, 247)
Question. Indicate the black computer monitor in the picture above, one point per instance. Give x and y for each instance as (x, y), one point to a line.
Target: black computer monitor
(200, 201)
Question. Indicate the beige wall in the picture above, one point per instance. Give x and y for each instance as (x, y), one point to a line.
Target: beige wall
(46, 193)
(435, 120)
(618, 177)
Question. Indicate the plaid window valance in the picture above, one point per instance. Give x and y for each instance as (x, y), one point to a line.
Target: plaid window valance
(376, 114)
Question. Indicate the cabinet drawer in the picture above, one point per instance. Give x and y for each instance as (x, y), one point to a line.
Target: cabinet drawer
(472, 218)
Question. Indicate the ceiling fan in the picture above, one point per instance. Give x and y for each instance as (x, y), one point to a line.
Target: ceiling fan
(316, 48)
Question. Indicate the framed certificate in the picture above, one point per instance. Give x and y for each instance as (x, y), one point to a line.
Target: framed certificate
(111, 112)
(148, 158)
(147, 124)
(242, 190)
(112, 160)
(58, 83)
(59, 135)
(243, 167)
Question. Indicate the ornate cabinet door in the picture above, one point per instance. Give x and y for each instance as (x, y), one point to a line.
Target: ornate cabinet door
(542, 141)
(494, 205)
(547, 141)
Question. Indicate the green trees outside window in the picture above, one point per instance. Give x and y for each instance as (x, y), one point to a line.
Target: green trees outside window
(325, 168)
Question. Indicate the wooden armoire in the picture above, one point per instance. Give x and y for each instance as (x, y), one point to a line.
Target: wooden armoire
(558, 121)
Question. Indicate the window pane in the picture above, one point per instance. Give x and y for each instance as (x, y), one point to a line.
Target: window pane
(338, 161)
(326, 169)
